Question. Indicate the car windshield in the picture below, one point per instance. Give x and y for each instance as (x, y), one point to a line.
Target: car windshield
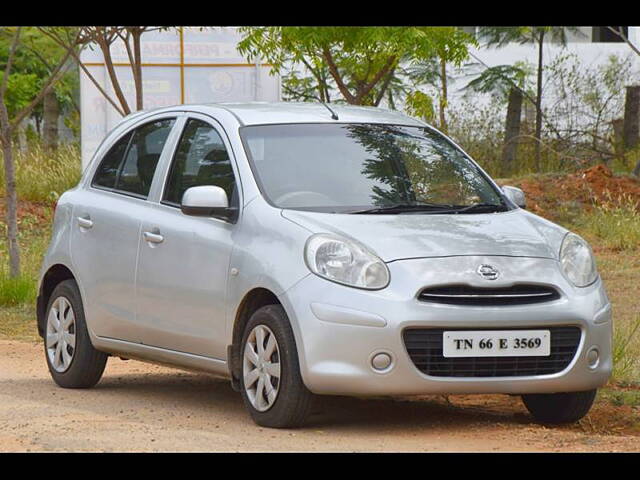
(365, 168)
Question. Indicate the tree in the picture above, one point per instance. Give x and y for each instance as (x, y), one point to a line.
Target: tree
(360, 61)
(501, 36)
(32, 63)
(8, 125)
(632, 111)
(450, 46)
(505, 81)
(104, 38)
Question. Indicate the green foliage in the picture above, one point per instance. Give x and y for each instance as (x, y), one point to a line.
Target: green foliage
(297, 88)
(419, 104)
(450, 44)
(361, 47)
(499, 80)
(21, 89)
(72, 122)
(360, 62)
(34, 59)
(17, 291)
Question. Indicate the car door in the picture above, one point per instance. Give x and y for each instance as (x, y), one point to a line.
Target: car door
(107, 220)
(183, 262)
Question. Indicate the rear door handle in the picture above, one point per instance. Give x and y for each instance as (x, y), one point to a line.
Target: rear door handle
(85, 222)
(152, 237)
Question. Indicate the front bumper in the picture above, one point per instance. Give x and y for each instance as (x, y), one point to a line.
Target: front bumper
(339, 329)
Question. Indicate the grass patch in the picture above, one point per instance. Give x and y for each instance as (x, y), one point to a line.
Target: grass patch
(16, 291)
(616, 223)
(621, 396)
(17, 296)
(625, 358)
(43, 176)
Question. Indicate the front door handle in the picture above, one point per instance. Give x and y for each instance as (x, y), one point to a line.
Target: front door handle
(152, 237)
(85, 222)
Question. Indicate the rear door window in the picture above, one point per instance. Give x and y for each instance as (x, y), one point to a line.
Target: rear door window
(131, 163)
(107, 173)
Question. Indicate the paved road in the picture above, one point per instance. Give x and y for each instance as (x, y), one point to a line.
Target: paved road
(142, 407)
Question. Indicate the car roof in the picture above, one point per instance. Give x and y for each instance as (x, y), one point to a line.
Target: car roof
(261, 113)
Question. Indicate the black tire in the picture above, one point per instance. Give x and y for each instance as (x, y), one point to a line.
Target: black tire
(557, 408)
(294, 400)
(87, 363)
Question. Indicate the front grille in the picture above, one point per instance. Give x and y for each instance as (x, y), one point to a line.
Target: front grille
(473, 296)
(424, 346)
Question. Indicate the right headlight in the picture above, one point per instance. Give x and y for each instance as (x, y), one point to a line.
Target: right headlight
(577, 260)
(345, 261)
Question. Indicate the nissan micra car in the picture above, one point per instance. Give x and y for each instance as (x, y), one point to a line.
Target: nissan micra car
(302, 250)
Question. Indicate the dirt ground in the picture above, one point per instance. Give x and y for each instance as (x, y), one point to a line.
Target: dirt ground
(142, 407)
(580, 190)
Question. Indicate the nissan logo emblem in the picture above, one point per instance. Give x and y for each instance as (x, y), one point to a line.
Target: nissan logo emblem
(488, 272)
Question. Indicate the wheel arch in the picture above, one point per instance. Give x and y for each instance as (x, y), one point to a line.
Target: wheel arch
(253, 300)
(53, 277)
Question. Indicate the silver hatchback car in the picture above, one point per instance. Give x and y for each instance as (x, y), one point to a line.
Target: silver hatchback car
(300, 249)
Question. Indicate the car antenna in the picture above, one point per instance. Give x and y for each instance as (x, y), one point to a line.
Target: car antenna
(333, 114)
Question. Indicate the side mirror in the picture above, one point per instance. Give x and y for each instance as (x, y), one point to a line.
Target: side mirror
(208, 201)
(515, 195)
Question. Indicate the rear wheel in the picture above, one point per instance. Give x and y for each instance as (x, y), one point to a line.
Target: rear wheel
(556, 408)
(272, 387)
(72, 360)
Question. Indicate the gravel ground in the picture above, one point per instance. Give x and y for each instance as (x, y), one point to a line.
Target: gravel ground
(142, 407)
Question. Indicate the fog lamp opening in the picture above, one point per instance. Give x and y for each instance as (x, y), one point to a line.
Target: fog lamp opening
(593, 358)
(381, 361)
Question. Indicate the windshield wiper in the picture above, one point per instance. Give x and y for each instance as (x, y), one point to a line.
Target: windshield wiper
(482, 207)
(435, 208)
(406, 207)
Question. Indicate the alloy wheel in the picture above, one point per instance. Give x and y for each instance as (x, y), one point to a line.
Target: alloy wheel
(61, 334)
(261, 368)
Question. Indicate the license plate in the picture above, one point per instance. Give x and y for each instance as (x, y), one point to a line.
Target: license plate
(497, 343)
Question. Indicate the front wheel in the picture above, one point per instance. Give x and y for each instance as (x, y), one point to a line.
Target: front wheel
(556, 408)
(272, 388)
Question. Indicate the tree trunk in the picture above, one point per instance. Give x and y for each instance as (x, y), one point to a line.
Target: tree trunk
(22, 136)
(50, 115)
(443, 95)
(105, 48)
(538, 132)
(617, 138)
(384, 87)
(511, 131)
(11, 197)
(390, 102)
(137, 68)
(631, 128)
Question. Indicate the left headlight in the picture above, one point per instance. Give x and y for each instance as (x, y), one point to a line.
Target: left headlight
(577, 260)
(345, 261)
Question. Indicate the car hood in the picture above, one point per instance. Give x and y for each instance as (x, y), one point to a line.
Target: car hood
(516, 233)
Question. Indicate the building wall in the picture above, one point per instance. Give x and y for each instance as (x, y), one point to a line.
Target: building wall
(186, 65)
